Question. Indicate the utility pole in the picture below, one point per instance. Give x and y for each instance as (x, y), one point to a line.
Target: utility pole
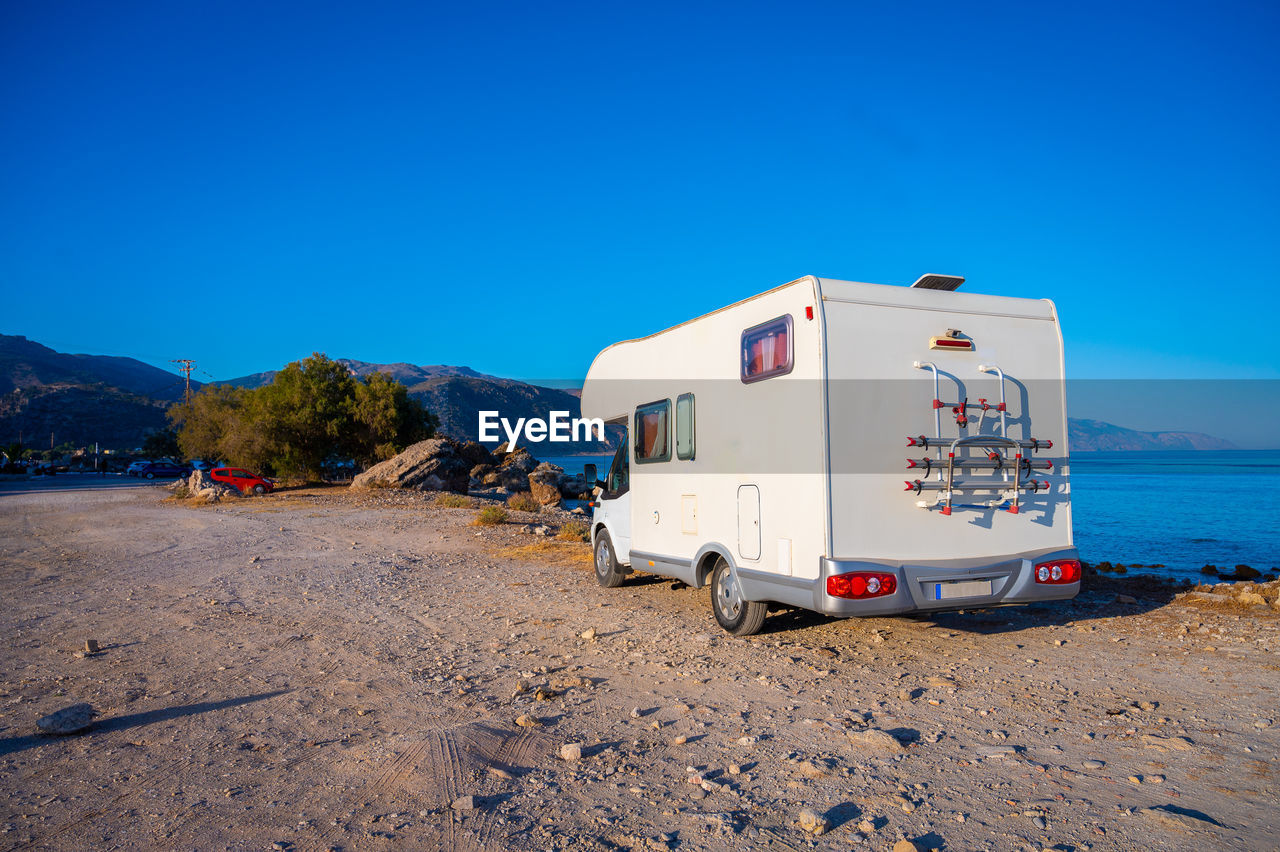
(185, 366)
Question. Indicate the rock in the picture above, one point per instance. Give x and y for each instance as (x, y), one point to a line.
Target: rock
(431, 465)
(513, 473)
(203, 487)
(544, 483)
(1166, 815)
(1244, 572)
(588, 634)
(680, 740)
(1251, 599)
(1093, 764)
(465, 803)
(813, 822)
(1039, 822)
(874, 739)
(474, 453)
(577, 510)
(91, 646)
(68, 720)
(573, 486)
(735, 769)
(905, 845)
(1167, 743)
(481, 471)
(866, 826)
(524, 720)
(571, 752)
(1126, 599)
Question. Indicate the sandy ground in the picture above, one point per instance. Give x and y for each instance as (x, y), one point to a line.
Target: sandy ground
(322, 670)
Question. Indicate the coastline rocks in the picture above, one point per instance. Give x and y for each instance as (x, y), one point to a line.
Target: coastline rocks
(475, 453)
(513, 472)
(544, 483)
(431, 465)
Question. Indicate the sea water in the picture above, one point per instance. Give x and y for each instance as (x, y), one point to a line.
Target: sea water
(1182, 510)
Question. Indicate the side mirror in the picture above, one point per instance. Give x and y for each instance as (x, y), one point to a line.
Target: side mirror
(589, 472)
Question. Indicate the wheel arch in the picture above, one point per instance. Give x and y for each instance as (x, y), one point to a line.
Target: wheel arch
(704, 562)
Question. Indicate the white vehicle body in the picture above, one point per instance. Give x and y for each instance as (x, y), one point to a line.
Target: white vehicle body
(802, 476)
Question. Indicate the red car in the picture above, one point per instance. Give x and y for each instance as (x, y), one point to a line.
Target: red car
(242, 480)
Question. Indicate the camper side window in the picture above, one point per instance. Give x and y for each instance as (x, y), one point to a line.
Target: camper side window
(766, 350)
(684, 426)
(653, 432)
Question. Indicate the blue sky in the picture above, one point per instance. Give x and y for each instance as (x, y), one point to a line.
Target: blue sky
(515, 186)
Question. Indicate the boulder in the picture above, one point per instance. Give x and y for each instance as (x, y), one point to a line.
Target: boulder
(480, 471)
(544, 482)
(475, 453)
(573, 486)
(431, 465)
(68, 720)
(513, 473)
(203, 487)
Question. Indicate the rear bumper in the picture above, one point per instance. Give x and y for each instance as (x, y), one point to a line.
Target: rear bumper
(1012, 582)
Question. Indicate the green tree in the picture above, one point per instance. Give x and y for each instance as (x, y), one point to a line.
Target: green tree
(313, 410)
(386, 419)
(162, 444)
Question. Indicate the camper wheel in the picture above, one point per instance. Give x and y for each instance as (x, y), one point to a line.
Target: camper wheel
(608, 572)
(739, 617)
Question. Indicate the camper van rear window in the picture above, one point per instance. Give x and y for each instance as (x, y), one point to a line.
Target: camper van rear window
(766, 350)
(653, 432)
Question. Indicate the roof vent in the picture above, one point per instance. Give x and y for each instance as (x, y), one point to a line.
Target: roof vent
(938, 282)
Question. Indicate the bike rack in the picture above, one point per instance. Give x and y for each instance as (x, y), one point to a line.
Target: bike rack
(996, 457)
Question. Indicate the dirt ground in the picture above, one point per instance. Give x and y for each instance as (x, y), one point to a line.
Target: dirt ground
(326, 670)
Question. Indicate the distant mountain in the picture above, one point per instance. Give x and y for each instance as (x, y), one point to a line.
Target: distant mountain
(80, 399)
(458, 400)
(27, 364)
(406, 374)
(1091, 435)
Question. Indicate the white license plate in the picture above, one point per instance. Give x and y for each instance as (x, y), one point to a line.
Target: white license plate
(961, 589)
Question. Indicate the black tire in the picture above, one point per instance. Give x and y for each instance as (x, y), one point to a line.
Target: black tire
(259, 490)
(151, 475)
(739, 617)
(608, 572)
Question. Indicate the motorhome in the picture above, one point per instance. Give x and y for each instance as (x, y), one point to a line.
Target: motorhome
(854, 449)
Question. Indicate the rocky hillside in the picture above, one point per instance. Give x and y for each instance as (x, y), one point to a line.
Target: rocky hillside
(80, 399)
(457, 401)
(25, 364)
(1090, 435)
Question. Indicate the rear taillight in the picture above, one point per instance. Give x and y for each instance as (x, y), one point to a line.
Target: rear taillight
(1058, 572)
(861, 585)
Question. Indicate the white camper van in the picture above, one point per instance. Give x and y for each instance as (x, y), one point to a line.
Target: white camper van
(854, 449)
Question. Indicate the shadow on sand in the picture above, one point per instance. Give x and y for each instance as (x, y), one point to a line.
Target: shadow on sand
(11, 745)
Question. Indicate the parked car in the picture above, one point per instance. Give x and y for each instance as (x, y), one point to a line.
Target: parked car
(163, 469)
(242, 480)
(134, 468)
(200, 464)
